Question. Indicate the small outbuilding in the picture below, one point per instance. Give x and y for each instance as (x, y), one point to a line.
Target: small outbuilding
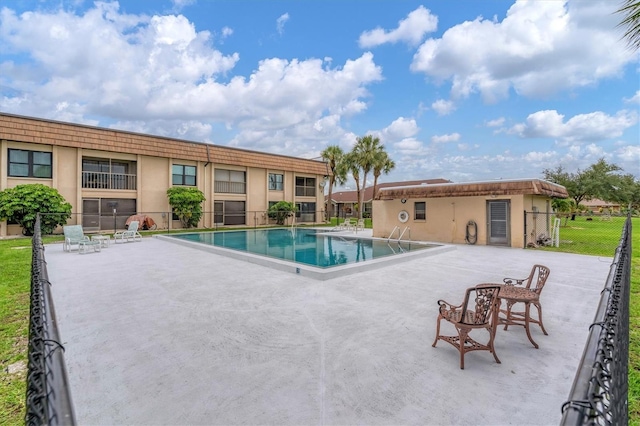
(485, 213)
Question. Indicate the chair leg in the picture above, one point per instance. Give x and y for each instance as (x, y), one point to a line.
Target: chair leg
(437, 331)
(540, 318)
(508, 315)
(492, 337)
(463, 338)
(527, 322)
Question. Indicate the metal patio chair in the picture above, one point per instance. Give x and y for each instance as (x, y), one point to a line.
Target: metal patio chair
(479, 310)
(524, 290)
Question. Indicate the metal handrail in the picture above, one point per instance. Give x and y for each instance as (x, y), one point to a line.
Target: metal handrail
(406, 228)
(394, 230)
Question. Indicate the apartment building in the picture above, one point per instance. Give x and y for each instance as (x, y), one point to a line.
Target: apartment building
(108, 175)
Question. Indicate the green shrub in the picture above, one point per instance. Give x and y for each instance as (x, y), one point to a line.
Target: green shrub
(186, 203)
(281, 210)
(22, 203)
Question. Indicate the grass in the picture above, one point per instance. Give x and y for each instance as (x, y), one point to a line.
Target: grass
(582, 237)
(594, 237)
(634, 329)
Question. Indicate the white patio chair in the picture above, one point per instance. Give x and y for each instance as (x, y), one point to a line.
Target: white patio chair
(73, 235)
(129, 235)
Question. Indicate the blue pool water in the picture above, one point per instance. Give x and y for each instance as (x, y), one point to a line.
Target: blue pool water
(314, 247)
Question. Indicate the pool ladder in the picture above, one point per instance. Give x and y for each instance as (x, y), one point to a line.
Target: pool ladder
(400, 234)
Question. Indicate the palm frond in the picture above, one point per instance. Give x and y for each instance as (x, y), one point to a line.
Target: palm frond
(631, 22)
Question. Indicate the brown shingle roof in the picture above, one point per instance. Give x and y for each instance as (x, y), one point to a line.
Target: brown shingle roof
(469, 189)
(37, 130)
(352, 196)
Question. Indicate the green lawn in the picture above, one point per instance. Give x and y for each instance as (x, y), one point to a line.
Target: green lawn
(596, 237)
(585, 237)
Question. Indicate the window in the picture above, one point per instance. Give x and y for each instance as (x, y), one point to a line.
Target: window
(420, 208)
(305, 187)
(276, 182)
(33, 164)
(183, 175)
(306, 212)
(230, 181)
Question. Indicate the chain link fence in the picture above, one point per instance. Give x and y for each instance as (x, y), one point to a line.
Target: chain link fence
(599, 395)
(117, 220)
(48, 399)
(573, 233)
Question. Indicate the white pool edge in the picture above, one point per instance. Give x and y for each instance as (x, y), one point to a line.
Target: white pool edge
(311, 271)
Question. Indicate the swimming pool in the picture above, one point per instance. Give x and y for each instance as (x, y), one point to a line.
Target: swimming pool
(309, 251)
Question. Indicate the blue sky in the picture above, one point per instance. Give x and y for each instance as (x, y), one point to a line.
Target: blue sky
(464, 90)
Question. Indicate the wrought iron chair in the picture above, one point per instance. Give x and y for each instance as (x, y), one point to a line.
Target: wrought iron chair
(478, 311)
(524, 290)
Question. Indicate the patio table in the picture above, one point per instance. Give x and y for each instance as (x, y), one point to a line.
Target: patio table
(104, 240)
(517, 294)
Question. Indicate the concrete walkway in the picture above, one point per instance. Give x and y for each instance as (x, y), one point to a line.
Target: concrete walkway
(158, 333)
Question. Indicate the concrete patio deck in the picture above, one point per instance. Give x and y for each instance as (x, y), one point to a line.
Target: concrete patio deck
(158, 333)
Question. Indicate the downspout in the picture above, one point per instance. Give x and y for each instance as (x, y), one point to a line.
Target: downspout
(205, 185)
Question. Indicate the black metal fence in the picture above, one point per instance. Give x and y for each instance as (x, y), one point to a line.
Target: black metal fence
(48, 399)
(600, 388)
(166, 221)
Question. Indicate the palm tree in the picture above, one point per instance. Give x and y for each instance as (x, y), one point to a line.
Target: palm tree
(382, 164)
(351, 164)
(365, 151)
(631, 22)
(334, 155)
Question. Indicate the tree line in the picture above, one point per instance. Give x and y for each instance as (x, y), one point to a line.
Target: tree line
(367, 157)
(602, 180)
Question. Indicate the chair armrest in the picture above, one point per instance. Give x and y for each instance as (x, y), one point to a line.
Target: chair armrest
(514, 281)
(446, 306)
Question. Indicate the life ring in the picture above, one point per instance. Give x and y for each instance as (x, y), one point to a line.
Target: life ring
(403, 216)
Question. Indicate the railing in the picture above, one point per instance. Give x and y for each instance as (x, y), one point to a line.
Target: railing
(225, 187)
(101, 180)
(48, 399)
(599, 392)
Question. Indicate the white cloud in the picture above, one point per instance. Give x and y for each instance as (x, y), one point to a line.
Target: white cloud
(496, 123)
(635, 99)
(595, 126)
(226, 32)
(410, 30)
(400, 128)
(157, 74)
(408, 146)
(281, 21)
(179, 4)
(453, 137)
(538, 49)
(443, 107)
(467, 147)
